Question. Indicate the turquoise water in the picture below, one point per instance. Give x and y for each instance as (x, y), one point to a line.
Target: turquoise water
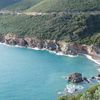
(27, 74)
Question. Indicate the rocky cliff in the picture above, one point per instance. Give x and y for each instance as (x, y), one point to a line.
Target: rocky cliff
(57, 46)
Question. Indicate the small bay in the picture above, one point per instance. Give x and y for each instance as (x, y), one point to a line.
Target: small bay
(27, 74)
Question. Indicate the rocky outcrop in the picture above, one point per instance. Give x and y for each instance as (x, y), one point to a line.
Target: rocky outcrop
(78, 78)
(2, 40)
(75, 78)
(98, 75)
(94, 52)
(73, 48)
(57, 46)
(10, 39)
(22, 42)
(52, 45)
(96, 49)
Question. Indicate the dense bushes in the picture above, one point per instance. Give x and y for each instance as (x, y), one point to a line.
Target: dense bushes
(82, 28)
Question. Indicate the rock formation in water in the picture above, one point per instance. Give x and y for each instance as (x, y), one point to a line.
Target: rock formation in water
(75, 78)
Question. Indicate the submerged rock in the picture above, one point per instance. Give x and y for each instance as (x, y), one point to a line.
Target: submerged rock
(93, 77)
(98, 75)
(85, 79)
(75, 78)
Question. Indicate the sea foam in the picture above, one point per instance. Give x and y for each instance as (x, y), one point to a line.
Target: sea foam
(90, 58)
(98, 69)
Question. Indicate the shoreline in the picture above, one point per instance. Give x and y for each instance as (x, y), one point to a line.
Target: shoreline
(70, 88)
(44, 49)
(57, 53)
(90, 58)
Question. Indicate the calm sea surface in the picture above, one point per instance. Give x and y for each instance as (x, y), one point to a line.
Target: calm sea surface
(27, 74)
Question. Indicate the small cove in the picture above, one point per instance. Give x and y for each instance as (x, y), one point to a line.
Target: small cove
(37, 75)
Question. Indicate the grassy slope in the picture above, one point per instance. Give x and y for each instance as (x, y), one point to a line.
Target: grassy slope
(91, 94)
(51, 5)
(23, 5)
(61, 5)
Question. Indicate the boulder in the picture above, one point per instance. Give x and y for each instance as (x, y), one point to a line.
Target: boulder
(75, 78)
(92, 77)
(85, 79)
(98, 75)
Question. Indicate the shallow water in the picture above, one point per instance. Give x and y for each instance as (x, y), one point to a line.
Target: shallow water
(27, 74)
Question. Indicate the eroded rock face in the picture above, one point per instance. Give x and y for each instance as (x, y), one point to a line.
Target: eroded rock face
(73, 48)
(2, 38)
(34, 42)
(96, 49)
(22, 42)
(12, 42)
(51, 45)
(75, 78)
(57, 46)
(11, 39)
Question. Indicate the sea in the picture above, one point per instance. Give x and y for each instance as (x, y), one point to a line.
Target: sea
(27, 74)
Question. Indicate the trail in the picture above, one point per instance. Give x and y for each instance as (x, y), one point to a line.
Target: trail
(41, 13)
(22, 13)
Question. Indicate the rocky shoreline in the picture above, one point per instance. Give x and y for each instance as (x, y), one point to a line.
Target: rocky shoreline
(77, 83)
(60, 47)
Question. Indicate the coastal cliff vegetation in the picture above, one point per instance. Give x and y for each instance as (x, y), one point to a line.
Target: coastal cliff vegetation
(66, 20)
(82, 28)
(91, 94)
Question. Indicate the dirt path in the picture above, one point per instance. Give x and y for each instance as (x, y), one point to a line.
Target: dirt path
(40, 13)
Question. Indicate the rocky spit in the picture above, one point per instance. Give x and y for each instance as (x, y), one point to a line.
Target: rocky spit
(78, 78)
(60, 47)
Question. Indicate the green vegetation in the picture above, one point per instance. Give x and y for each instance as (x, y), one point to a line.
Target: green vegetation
(66, 5)
(23, 5)
(78, 27)
(91, 94)
(81, 25)
(51, 5)
(17, 5)
(72, 21)
(82, 28)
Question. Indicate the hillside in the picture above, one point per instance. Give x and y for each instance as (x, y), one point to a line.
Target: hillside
(82, 28)
(74, 27)
(66, 5)
(91, 94)
(23, 5)
(17, 5)
(50, 5)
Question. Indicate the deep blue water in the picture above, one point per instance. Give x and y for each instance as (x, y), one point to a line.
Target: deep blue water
(27, 74)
